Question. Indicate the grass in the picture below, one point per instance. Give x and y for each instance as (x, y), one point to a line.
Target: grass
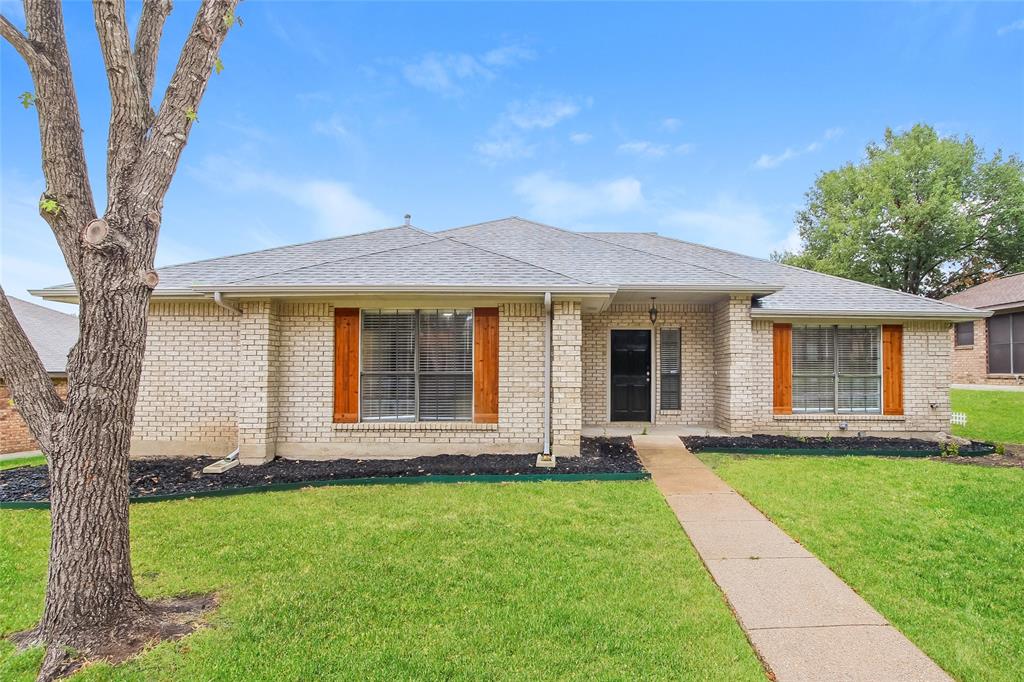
(28, 461)
(937, 548)
(471, 581)
(995, 416)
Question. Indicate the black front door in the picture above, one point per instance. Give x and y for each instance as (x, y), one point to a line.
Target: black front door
(631, 375)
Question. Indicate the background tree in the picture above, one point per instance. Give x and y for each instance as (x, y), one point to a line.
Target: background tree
(922, 214)
(91, 604)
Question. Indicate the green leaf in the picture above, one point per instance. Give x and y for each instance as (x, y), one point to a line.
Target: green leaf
(218, 65)
(27, 99)
(229, 19)
(50, 206)
(191, 115)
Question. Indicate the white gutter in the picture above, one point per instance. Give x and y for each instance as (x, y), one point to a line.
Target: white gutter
(327, 289)
(952, 315)
(218, 298)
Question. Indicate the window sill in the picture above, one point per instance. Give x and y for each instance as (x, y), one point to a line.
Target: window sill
(414, 426)
(833, 417)
(970, 347)
(1004, 375)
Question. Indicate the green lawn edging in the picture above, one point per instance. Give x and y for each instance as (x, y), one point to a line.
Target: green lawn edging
(989, 449)
(380, 480)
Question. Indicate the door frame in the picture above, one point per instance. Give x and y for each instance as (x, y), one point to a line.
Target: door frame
(608, 369)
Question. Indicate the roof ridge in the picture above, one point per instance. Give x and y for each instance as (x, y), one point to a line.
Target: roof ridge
(288, 246)
(816, 272)
(520, 260)
(336, 260)
(674, 260)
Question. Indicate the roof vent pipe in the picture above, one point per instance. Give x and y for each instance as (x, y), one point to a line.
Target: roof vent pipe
(408, 219)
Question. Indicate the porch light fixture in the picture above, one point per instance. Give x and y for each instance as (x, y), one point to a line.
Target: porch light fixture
(653, 312)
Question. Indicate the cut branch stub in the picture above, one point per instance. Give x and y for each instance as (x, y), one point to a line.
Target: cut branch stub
(149, 278)
(96, 231)
(153, 219)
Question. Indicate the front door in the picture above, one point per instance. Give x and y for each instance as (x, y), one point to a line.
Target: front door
(631, 375)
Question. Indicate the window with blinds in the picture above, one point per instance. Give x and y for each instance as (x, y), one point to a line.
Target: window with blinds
(964, 333)
(416, 365)
(671, 364)
(837, 369)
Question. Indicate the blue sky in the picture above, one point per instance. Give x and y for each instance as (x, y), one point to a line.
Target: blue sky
(707, 122)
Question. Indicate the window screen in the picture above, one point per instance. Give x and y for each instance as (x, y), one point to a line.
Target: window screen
(416, 365)
(670, 361)
(837, 369)
(1006, 344)
(964, 333)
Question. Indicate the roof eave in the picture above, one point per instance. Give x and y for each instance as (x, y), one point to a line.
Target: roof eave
(752, 288)
(330, 289)
(951, 315)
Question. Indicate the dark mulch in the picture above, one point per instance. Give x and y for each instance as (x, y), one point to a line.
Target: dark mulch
(859, 444)
(1010, 459)
(176, 475)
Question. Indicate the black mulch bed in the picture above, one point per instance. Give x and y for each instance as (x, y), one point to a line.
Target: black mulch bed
(842, 444)
(177, 475)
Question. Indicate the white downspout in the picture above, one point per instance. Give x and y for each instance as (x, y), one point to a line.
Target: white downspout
(545, 459)
(231, 461)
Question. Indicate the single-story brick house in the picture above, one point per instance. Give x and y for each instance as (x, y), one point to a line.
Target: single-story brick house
(513, 336)
(991, 351)
(52, 333)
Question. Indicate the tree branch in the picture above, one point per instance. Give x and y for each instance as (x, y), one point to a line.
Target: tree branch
(181, 100)
(23, 371)
(60, 130)
(147, 42)
(35, 59)
(129, 110)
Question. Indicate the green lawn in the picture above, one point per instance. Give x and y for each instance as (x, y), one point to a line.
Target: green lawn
(471, 581)
(995, 416)
(937, 548)
(29, 461)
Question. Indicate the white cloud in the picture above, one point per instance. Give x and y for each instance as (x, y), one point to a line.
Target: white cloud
(1011, 27)
(671, 124)
(539, 113)
(768, 161)
(731, 223)
(580, 138)
(445, 73)
(333, 207)
(508, 137)
(505, 148)
(554, 199)
(651, 150)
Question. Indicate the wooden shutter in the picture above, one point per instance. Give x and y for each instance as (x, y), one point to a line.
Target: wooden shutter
(346, 365)
(485, 365)
(782, 364)
(892, 369)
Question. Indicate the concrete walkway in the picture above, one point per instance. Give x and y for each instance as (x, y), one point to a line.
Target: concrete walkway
(804, 622)
(990, 387)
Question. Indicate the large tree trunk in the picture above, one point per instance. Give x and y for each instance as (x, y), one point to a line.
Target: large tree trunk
(90, 582)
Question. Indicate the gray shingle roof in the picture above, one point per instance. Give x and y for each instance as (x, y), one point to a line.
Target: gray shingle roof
(51, 332)
(803, 291)
(517, 253)
(997, 293)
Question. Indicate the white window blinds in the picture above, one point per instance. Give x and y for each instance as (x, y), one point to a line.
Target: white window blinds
(837, 369)
(670, 362)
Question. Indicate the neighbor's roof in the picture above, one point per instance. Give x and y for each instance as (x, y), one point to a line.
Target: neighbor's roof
(1005, 292)
(514, 254)
(51, 332)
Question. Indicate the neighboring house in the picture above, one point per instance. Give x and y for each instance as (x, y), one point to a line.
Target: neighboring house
(52, 334)
(401, 342)
(991, 351)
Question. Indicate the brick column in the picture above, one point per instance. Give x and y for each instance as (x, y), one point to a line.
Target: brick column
(258, 334)
(566, 378)
(735, 392)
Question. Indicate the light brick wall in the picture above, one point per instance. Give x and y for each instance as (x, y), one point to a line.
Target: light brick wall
(14, 433)
(926, 374)
(697, 382)
(734, 367)
(566, 378)
(259, 331)
(306, 394)
(188, 391)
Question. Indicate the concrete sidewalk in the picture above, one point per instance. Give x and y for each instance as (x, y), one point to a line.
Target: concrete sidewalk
(804, 622)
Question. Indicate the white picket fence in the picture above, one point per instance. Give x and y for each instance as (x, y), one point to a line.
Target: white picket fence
(958, 419)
